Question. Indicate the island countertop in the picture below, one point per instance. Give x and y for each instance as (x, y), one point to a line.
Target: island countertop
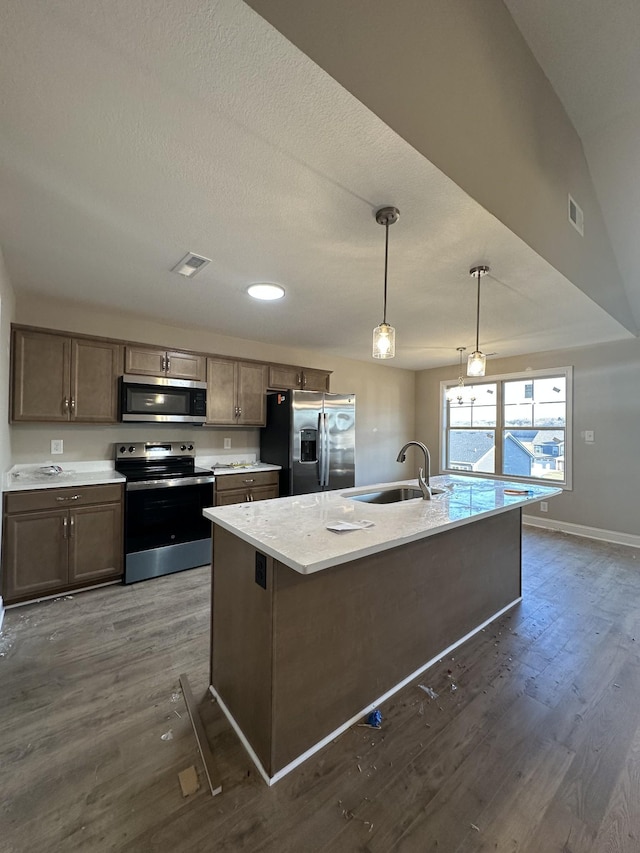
(294, 531)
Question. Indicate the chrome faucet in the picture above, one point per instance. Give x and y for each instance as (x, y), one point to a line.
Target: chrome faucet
(425, 488)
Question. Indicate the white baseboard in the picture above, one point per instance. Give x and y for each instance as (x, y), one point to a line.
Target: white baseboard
(613, 536)
(271, 780)
(1, 613)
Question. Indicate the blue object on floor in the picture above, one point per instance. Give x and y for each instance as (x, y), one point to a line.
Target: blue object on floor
(375, 719)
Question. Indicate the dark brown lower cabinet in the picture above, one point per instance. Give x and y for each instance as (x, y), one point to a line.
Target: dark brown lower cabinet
(240, 488)
(55, 540)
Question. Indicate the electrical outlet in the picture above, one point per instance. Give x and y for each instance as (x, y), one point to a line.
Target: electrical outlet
(589, 436)
(227, 444)
(261, 570)
(544, 506)
(56, 445)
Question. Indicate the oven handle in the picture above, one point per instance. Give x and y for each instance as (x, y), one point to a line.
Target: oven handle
(142, 485)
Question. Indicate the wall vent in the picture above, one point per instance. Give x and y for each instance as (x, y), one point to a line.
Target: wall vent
(576, 216)
(190, 265)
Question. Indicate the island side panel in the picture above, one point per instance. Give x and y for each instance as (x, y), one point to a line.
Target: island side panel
(241, 651)
(346, 635)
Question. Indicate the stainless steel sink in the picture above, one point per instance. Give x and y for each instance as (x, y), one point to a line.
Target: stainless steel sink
(392, 496)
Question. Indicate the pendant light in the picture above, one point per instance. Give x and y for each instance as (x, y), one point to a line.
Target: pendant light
(477, 361)
(384, 335)
(457, 392)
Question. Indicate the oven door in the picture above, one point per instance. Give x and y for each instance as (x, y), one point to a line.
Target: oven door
(165, 530)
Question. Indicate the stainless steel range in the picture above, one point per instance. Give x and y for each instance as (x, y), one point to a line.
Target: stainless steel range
(165, 531)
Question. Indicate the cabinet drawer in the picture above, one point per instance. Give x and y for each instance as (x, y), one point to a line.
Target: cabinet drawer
(225, 482)
(61, 498)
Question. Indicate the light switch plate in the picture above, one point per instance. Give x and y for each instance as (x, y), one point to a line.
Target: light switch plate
(227, 444)
(56, 445)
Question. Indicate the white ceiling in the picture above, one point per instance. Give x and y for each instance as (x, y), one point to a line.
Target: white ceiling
(133, 132)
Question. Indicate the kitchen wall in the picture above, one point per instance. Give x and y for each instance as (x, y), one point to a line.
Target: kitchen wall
(605, 399)
(385, 395)
(7, 308)
(458, 82)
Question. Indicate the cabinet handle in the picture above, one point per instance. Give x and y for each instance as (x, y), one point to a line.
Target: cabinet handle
(73, 405)
(65, 521)
(299, 379)
(163, 364)
(71, 526)
(65, 405)
(239, 411)
(249, 481)
(168, 363)
(304, 379)
(70, 498)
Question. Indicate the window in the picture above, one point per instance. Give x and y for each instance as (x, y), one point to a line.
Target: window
(513, 427)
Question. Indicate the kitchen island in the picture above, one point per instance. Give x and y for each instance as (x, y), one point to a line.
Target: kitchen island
(312, 628)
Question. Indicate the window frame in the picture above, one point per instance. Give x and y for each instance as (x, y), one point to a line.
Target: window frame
(564, 372)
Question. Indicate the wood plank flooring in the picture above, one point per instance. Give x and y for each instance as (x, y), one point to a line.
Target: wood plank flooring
(533, 744)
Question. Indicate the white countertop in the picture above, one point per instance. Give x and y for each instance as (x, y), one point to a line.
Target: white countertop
(243, 468)
(24, 477)
(293, 529)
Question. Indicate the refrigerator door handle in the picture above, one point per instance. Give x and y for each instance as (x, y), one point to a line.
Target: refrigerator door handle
(326, 450)
(320, 450)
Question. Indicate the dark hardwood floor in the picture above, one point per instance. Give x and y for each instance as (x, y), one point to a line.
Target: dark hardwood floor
(533, 743)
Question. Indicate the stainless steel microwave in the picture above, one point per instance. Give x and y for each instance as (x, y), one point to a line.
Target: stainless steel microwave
(162, 400)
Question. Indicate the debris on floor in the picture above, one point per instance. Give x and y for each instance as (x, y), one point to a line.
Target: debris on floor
(167, 735)
(189, 781)
(431, 693)
(375, 719)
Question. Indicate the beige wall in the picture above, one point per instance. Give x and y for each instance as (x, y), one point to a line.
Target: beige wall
(7, 308)
(606, 473)
(456, 79)
(385, 395)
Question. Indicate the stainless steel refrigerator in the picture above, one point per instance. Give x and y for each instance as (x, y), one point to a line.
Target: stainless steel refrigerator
(311, 434)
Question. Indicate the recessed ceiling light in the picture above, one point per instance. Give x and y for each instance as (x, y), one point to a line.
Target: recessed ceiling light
(265, 290)
(190, 265)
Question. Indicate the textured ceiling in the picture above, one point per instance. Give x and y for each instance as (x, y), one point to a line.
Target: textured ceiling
(133, 132)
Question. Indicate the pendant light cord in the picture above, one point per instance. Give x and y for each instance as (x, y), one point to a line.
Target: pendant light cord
(386, 258)
(478, 316)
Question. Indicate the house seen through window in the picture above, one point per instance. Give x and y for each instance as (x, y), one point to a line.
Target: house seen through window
(510, 426)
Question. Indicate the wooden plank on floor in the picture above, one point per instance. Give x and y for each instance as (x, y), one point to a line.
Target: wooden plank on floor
(201, 738)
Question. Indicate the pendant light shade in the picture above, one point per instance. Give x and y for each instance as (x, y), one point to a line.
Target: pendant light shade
(477, 361)
(384, 335)
(456, 392)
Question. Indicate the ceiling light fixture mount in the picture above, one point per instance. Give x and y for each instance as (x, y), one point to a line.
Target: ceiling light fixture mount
(477, 361)
(384, 335)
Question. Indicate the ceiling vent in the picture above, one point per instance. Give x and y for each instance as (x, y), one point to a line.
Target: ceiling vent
(190, 265)
(576, 216)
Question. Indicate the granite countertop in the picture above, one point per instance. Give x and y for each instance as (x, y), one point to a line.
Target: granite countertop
(294, 529)
(24, 477)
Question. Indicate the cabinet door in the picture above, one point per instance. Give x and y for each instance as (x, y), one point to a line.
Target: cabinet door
(264, 493)
(145, 361)
(95, 543)
(315, 380)
(184, 365)
(283, 376)
(41, 370)
(252, 393)
(221, 391)
(95, 367)
(35, 554)
(232, 496)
